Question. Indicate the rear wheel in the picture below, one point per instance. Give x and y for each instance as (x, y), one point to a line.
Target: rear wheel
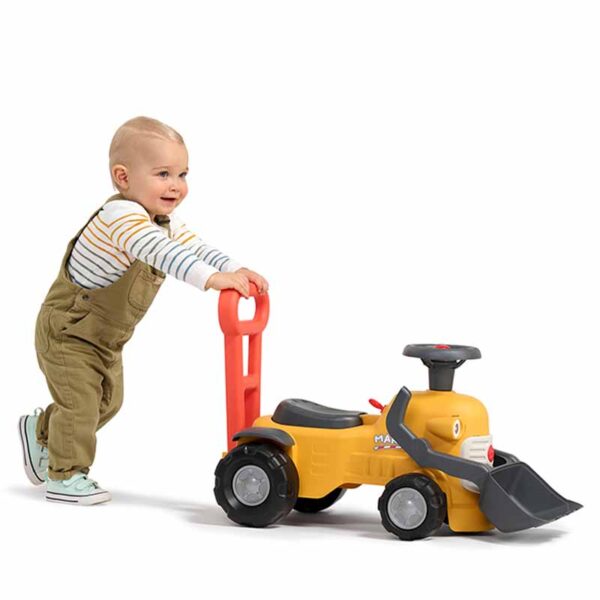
(256, 484)
(313, 505)
(412, 507)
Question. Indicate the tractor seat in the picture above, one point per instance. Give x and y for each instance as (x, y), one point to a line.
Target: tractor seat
(305, 413)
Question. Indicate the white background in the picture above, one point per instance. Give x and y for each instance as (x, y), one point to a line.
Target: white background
(401, 172)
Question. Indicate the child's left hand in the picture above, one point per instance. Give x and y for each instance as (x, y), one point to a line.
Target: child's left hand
(261, 283)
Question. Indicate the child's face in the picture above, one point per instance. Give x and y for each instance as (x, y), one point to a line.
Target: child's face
(156, 176)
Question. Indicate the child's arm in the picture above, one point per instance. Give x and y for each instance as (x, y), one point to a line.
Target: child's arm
(129, 228)
(214, 257)
(209, 254)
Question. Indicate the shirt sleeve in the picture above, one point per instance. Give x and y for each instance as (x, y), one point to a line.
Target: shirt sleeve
(130, 230)
(208, 254)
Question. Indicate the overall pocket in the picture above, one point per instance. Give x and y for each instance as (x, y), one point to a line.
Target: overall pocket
(95, 330)
(74, 324)
(143, 289)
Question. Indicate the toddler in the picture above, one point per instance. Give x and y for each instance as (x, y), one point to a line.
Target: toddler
(110, 273)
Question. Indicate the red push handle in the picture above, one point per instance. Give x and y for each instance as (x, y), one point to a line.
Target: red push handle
(242, 391)
(228, 312)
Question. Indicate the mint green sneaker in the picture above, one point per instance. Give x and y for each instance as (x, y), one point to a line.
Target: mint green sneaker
(78, 489)
(35, 457)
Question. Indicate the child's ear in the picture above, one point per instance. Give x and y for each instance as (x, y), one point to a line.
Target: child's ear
(120, 176)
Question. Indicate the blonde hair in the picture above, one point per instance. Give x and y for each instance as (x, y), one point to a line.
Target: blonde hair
(126, 136)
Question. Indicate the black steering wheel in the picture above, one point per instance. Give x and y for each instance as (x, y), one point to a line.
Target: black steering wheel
(441, 360)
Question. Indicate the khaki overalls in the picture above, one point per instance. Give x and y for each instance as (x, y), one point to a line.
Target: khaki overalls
(79, 336)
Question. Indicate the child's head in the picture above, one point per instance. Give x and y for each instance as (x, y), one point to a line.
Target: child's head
(149, 163)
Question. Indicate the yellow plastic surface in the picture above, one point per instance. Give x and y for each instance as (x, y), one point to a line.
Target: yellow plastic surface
(330, 458)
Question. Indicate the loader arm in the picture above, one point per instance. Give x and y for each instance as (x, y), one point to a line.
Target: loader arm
(420, 450)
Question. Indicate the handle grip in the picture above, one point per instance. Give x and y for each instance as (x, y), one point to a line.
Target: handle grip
(228, 312)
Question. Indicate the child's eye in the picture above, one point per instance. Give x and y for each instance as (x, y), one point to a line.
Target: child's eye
(183, 175)
(163, 174)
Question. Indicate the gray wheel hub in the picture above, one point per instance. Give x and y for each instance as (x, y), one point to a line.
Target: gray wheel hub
(407, 508)
(251, 485)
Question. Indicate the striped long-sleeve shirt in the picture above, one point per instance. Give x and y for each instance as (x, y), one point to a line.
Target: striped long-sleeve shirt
(122, 232)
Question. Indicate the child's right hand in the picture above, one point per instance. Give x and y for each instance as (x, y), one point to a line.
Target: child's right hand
(225, 281)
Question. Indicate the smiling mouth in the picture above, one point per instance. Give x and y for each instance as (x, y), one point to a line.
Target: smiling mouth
(169, 199)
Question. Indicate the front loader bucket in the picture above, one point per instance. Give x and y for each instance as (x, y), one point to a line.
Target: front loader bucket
(515, 497)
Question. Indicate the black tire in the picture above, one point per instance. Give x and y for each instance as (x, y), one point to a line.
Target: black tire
(314, 505)
(425, 501)
(279, 484)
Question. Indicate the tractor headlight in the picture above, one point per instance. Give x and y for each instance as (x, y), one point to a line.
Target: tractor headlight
(448, 428)
(456, 429)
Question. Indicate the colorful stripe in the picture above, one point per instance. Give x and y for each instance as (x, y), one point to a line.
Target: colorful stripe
(122, 232)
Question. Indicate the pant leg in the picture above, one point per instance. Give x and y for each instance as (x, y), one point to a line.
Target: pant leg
(112, 398)
(42, 343)
(75, 373)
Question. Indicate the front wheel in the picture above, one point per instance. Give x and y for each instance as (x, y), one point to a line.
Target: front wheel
(412, 507)
(256, 484)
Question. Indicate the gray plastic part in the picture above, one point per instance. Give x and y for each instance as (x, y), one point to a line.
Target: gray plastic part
(441, 360)
(502, 458)
(304, 413)
(512, 496)
(442, 352)
(515, 497)
(281, 438)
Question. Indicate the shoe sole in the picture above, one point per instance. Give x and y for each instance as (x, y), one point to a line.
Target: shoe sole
(87, 500)
(27, 463)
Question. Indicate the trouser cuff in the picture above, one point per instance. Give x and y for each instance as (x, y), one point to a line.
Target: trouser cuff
(62, 475)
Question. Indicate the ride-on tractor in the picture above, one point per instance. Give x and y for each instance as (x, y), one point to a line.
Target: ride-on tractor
(432, 451)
